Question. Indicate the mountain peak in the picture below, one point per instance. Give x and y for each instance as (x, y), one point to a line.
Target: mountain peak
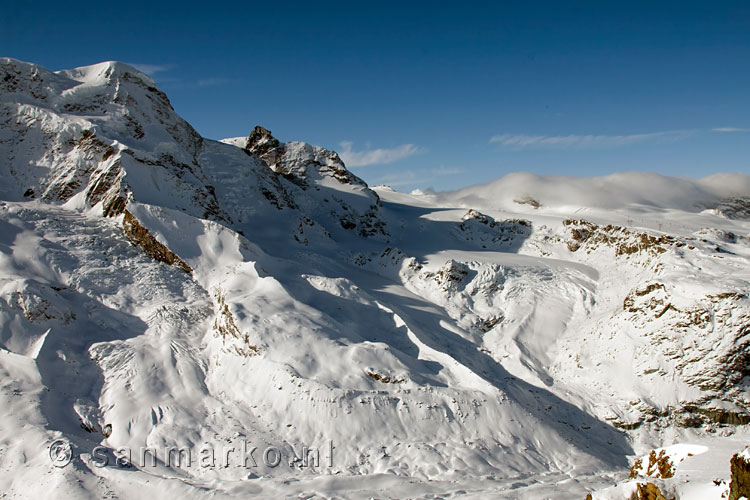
(260, 135)
(295, 159)
(106, 72)
(261, 143)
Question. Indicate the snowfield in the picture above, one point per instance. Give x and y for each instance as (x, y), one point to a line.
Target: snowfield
(247, 318)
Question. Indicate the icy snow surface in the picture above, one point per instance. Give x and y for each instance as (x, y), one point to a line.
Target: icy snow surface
(526, 339)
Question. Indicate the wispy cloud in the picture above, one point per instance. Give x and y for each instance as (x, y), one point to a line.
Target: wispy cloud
(522, 141)
(173, 81)
(378, 156)
(152, 69)
(730, 129)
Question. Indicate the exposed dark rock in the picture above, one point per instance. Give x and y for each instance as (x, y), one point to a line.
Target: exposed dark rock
(648, 491)
(719, 416)
(740, 484)
(265, 146)
(528, 200)
(226, 327)
(451, 275)
(385, 378)
(294, 167)
(735, 208)
(624, 241)
(486, 230)
(140, 236)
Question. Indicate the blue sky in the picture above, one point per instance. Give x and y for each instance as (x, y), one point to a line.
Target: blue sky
(435, 94)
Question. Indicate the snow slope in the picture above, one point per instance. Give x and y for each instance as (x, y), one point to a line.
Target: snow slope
(161, 290)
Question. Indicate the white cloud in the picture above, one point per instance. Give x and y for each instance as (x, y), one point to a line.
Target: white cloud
(730, 129)
(375, 156)
(625, 190)
(520, 141)
(152, 69)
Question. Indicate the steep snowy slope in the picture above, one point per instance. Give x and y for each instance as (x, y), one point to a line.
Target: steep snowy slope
(165, 291)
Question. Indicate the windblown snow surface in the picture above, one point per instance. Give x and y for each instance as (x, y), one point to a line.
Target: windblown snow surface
(290, 332)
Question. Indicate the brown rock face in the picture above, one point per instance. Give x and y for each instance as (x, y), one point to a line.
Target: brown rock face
(648, 491)
(140, 236)
(281, 158)
(740, 485)
(261, 143)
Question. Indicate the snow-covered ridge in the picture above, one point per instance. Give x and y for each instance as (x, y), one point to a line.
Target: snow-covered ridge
(297, 159)
(161, 289)
(98, 73)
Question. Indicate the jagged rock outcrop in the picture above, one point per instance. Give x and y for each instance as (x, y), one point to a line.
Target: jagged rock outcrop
(297, 160)
(648, 491)
(265, 146)
(735, 208)
(318, 183)
(140, 236)
(487, 232)
(739, 486)
(625, 242)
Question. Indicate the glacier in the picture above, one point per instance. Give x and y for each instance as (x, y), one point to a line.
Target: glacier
(529, 338)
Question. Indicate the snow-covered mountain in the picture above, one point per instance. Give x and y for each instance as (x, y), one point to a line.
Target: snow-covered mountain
(524, 339)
